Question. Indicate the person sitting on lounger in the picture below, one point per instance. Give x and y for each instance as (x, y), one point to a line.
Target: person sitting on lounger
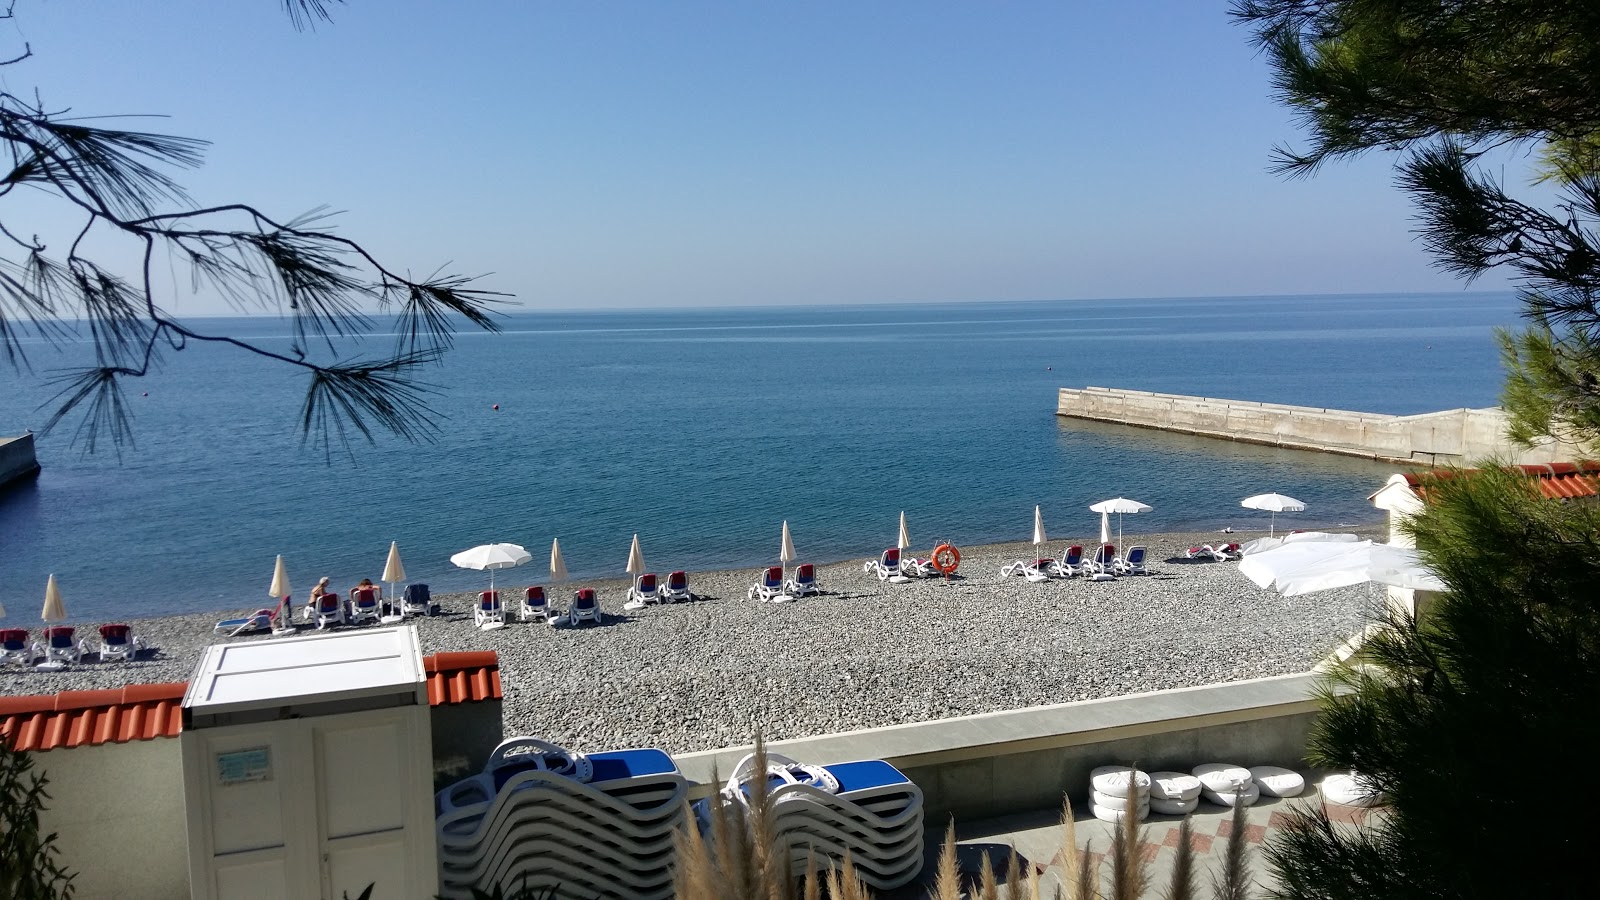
(310, 610)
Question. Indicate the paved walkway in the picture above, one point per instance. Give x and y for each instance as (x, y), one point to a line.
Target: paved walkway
(1037, 839)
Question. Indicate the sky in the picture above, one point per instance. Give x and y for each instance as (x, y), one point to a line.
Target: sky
(696, 153)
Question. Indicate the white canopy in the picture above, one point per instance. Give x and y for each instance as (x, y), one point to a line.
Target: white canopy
(1304, 567)
(492, 557)
(1259, 545)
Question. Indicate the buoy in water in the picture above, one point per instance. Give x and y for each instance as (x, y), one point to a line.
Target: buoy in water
(497, 406)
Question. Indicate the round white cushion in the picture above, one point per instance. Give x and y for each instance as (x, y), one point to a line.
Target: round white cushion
(1246, 797)
(1113, 780)
(1112, 813)
(1276, 781)
(1222, 776)
(1168, 807)
(1174, 786)
(1350, 790)
(1100, 799)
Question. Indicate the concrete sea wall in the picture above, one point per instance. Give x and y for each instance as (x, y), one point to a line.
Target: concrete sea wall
(16, 459)
(1455, 436)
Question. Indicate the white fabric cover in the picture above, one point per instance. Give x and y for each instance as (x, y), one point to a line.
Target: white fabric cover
(1107, 800)
(1173, 786)
(1169, 807)
(1276, 781)
(1350, 790)
(1222, 776)
(1113, 780)
(1246, 797)
(1113, 813)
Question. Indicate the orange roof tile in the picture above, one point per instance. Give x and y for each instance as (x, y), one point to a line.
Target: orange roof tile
(1556, 480)
(138, 712)
(462, 677)
(141, 712)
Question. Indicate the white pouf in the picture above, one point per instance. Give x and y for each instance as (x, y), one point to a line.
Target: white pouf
(1350, 790)
(1169, 807)
(1222, 776)
(1174, 786)
(1113, 813)
(1100, 799)
(1276, 781)
(1246, 797)
(1113, 780)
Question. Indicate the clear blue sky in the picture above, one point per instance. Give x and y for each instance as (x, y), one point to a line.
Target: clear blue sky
(686, 153)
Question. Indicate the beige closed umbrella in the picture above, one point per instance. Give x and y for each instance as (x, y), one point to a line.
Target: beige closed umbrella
(394, 572)
(558, 567)
(280, 580)
(905, 538)
(786, 553)
(635, 559)
(54, 609)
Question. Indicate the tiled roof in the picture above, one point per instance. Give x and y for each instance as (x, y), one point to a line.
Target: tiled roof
(141, 712)
(1556, 480)
(462, 677)
(138, 712)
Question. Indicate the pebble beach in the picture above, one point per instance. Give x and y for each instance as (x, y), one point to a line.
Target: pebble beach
(709, 673)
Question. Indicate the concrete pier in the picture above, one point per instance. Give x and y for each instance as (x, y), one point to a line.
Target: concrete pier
(1451, 437)
(17, 461)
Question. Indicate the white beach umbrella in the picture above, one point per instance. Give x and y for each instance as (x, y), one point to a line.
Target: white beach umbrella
(558, 566)
(1273, 503)
(1038, 529)
(54, 609)
(904, 542)
(1121, 506)
(1105, 528)
(635, 559)
(786, 552)
(492, 557)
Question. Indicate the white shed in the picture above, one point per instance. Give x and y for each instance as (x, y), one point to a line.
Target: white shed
(308, 769)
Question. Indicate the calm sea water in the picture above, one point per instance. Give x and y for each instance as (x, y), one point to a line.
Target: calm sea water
(701, 430)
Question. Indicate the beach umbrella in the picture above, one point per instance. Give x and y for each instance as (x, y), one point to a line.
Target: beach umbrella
(558, 567)
(1121, 506)
(54, 609)
(635, 559)
(393, 573)
(904, 542)
(1105, 528)
(786, 553)
(491, 557)
(1304, 567)
(1273, 503)
(280, 580)
(1038, 541)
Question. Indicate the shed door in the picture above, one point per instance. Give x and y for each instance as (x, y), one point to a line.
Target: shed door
(361, 770)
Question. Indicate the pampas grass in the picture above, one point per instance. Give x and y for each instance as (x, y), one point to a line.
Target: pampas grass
(1233, 882)
(1129, 872)
(1182, 885)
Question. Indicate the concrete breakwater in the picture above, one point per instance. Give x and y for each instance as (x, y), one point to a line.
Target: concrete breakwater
(17, 460)
(1455, 436)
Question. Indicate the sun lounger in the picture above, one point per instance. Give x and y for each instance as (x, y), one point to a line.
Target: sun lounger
(60, 646)
(916, 567)
(1033, 570)
(488, 614)
(328, 611)
(1071, 562)
(1133, 563)
(416, 601)
(676, 588)
(118, 641)
(770, 587)
(363, 605)
(886, 566)
(535, 605)
(1105, 560)
(260, 620)
(804, 581)
(15, 648)
(585, 607)
(644, 591)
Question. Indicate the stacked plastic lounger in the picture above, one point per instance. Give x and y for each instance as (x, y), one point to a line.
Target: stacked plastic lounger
(867, 809)
(609, 836)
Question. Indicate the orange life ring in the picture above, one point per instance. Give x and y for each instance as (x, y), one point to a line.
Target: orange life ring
(946, 558)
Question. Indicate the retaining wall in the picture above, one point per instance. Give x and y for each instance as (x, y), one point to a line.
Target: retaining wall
(1021, 760)
(1455, 436)
(17, 460)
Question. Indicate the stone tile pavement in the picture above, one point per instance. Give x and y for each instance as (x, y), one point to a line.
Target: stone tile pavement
(1037, 839)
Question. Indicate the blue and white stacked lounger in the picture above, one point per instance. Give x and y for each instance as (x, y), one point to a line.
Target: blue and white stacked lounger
(867, 809)
(596, 826)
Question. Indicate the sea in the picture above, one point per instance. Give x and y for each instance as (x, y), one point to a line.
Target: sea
(702, 431)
